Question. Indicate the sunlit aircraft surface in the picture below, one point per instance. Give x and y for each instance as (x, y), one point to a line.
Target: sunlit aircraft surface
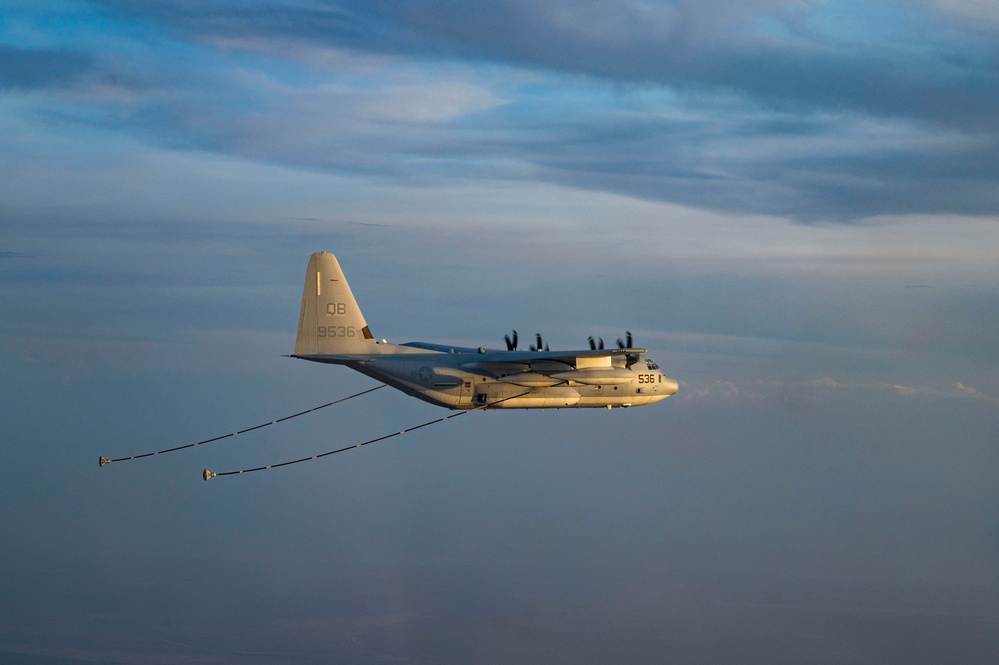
(331, 329)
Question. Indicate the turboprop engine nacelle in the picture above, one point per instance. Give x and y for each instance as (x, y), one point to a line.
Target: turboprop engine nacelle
(531, 380)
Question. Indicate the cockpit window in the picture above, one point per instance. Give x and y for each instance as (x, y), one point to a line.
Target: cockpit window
(651, 364)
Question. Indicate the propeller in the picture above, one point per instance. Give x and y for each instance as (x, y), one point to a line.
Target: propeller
(511, 343)
(597, 343)
(628, 343)
(540, 344)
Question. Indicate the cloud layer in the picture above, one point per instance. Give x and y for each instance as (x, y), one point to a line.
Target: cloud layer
(789, 108)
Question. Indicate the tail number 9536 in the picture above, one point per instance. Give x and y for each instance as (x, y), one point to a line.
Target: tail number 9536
(337, 331)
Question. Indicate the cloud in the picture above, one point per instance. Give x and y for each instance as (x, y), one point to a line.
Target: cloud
(770, 51)
(826, 382)
(907, 391)
(978, 14)
(766, 107)
(804, 394)
(954, 391)
(965, 390)
(30, 69)
(722, 390)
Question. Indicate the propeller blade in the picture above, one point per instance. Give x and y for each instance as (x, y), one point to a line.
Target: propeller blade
(621, 344)
(511, 344)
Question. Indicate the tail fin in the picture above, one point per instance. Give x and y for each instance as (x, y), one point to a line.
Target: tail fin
(331, 323)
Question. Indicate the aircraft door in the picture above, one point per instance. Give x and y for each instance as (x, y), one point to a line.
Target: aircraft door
(467, 390)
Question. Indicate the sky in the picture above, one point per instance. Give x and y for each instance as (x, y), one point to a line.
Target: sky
(794, 205)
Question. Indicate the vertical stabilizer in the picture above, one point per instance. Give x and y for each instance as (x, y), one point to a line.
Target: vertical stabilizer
(330, 323)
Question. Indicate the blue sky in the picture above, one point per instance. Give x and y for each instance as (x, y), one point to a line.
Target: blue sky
(793, 205)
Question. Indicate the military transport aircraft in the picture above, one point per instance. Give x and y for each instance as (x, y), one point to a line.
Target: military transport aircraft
(331, 329)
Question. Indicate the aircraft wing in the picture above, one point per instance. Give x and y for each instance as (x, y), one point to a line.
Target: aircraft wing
(568, 357)
(470, 356)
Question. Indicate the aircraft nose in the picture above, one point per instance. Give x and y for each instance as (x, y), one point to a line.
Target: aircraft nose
(670, 385)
